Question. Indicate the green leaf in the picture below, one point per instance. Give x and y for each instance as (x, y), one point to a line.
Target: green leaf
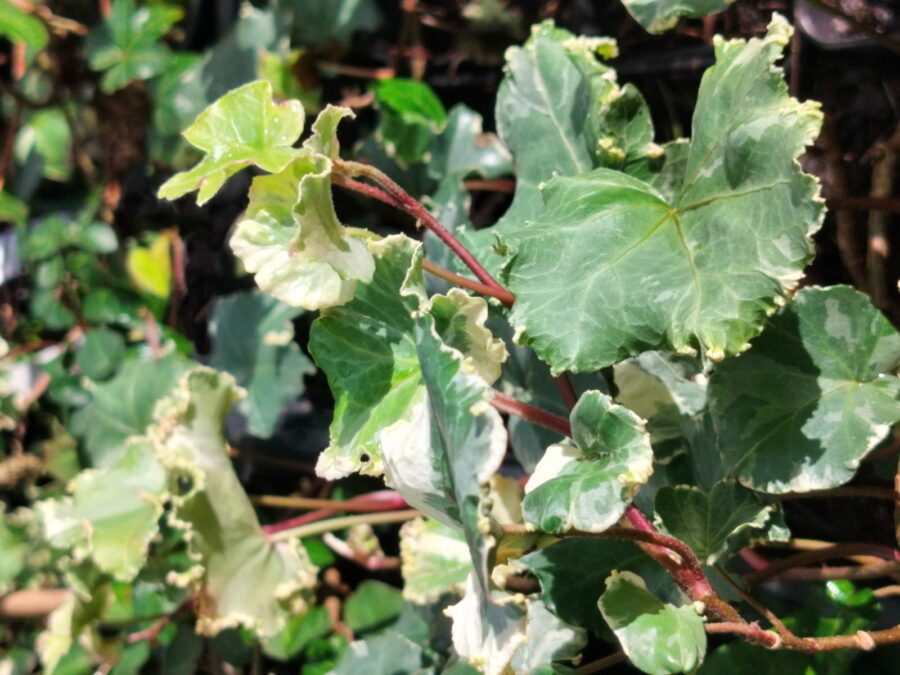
(112, 514)
(47, 308)
(12, 209)
(714, 523)
(46, 134)
(658, 16)
(368, 351)
(561, 113)
(586, 483)
(411, 114)
(297, 635)
(95, 237)
(123, 407)
(315, 23)
(570, 588)
(17, 25)
(658, 638)
(388, 652)
(101, 354)
(812, 396)
(434, 560)
(243, 578)
(254, 341)
(127, 47)
(741, 658)
(500, 633)
(699, 271)
(14, 550)
(245, 127)
(372, 606)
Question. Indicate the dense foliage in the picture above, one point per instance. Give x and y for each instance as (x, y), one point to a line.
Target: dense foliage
(556, 442)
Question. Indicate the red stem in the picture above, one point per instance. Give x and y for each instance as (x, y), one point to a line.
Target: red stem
(365, 502)
(531, 413)
(405, 202)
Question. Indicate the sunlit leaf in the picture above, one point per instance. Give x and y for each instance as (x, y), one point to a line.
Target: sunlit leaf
(368, 350)
(291, 238)
(123, 407)
(245, 127)
(812, 396)
(695, 273)
(150, 267)
(243, 578)
(112, 513)
(435, 560)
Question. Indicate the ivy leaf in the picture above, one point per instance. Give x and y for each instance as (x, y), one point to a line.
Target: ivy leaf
(123, 407)
(112, 514)
(17, 25)
(699, 271)
(101, 354)
(387, 652)
(411, 114)
(291, 238)
(587, 484)
(713, 523)
(368, 351)
(318, 22)
(45, 138)
(559, 112)
(242, 577)
(813, 395)
(245, 127)
(501, 633)
(658, 16)
(658, 638)
(254, 341)
(373, 605)
(127, 47)
(434, 560)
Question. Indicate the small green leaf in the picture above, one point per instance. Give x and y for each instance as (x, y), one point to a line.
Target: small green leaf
(315, 23)
(813, 395)
(372, 606)
(14, 550)
(112, 514)
(387, 652)
(658, 638)
(254, 341)
(150, 267)
(299, 632)
(435, 560)
(17, 25)
(46, 135)
(715, 523)
(411, 114)
(12, 209)
(658, 16)
(245, 127)
(697, 272)
(127, 47)
(588, 483)
(95, 237)
(50, 310)
(101, 354)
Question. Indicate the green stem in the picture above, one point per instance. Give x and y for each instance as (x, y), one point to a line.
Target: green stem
(344, 522)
